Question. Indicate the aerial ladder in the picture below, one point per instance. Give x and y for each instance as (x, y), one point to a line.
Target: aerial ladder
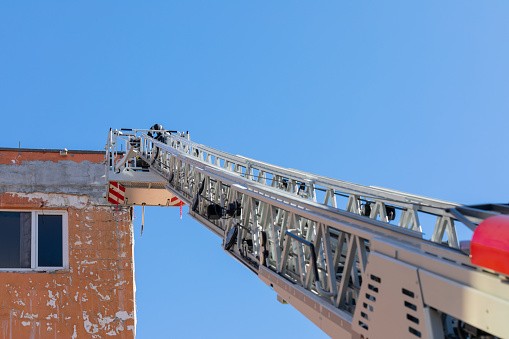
(358, 261)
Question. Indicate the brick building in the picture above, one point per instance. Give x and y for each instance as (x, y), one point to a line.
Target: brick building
(66, 254)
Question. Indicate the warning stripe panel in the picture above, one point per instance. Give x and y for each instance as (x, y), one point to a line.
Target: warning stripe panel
(175, 202)
(116, 184)
(117, 195)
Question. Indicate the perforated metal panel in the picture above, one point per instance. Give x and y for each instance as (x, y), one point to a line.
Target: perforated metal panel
(390, 305)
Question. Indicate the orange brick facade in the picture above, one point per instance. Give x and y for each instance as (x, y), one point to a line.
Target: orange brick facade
(95, 296)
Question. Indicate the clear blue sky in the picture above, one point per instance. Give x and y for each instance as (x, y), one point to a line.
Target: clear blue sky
(409, 95)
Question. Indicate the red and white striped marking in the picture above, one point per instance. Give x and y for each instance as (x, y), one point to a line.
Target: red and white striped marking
(174, 202)
(116, 193)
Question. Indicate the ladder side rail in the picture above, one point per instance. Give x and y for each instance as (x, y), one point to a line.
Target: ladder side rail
(109, 152)
(338, 185)
(410, 207)
(297, 175)
(363, 227)
(425, 204)
(284, 198)
(341, 186)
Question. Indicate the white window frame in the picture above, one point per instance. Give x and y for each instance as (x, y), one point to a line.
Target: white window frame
(34, 260)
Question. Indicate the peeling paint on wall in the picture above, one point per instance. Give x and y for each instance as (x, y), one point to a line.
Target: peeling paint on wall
(95, 297)
(55, 199)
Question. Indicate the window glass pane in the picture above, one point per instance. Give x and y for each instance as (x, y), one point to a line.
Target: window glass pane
(50, 240)
(15, 239)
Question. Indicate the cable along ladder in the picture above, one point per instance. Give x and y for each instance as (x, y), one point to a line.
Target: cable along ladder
(353, 259)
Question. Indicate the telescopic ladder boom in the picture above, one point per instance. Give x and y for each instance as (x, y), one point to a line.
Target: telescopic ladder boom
(353, 259)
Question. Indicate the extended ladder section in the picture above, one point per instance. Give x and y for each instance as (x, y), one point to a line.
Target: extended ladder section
(358, 261)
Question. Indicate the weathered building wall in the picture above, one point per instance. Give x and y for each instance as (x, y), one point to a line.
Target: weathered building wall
(95, 296)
